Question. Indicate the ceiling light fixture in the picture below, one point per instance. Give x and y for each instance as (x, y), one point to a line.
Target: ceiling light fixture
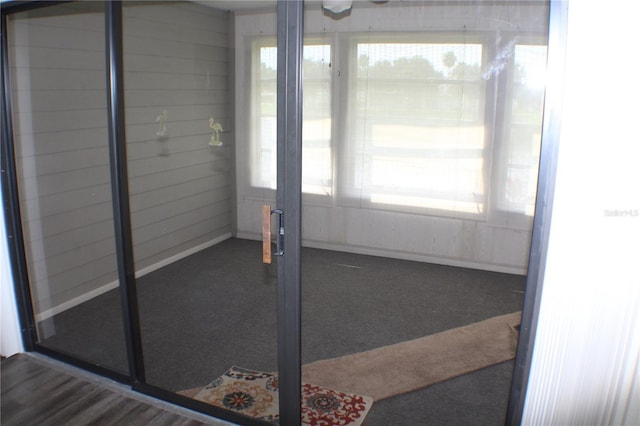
(337, 6)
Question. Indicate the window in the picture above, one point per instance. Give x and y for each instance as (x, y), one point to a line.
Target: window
(522, 131)
(427, 123)
(317, 159)
(416, 135)
(263, 115)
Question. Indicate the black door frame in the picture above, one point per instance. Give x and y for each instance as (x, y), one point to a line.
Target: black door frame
(290, 42)
(120, 190)
(289, 199)
(558, 18)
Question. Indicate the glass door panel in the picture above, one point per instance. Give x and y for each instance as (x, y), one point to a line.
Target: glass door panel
(207, 303)
(57, 70)
(424, 135)
(419, 167)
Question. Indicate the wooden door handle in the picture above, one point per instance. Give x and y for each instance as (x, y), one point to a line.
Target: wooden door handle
(266, 234)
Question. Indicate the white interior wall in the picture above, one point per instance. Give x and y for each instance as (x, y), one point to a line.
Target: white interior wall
(478, 244)
(10, 339)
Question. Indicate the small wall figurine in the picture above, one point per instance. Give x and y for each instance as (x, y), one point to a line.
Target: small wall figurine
(215, 136)
(162, 123)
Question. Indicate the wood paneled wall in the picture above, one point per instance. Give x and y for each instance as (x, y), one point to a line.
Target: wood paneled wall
(176, 59)
(60, 121)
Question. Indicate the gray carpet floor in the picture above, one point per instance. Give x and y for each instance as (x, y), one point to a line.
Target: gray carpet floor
(217, 308)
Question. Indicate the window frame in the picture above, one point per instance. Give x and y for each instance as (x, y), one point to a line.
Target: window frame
(348, 65)
(498, 217)
(253, 45)
(497, 104)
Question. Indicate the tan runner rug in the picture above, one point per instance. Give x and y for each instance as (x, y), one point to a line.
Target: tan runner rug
(404, 367)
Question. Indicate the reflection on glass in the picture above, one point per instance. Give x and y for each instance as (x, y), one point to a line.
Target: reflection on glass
(60, 120)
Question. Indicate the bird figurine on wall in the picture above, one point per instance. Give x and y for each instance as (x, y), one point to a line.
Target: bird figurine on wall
(162, 124)
(215, 136)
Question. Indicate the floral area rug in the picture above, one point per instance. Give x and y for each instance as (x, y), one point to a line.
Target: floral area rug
(255, 393)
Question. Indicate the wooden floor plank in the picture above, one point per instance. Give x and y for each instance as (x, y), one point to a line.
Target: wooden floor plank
(36, 391)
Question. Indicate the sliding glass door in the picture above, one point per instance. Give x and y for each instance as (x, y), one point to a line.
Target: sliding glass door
(421, 138)
(57, 70)
(314, 217)
(207, 303)
(196, 320)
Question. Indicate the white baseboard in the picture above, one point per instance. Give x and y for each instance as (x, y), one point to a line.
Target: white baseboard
(169, 260)
(439, 260)
(76, 301)
(139, 273)
(313, 244)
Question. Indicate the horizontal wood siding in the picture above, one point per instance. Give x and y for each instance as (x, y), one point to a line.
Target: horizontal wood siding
(176, 59)
(60, 121)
